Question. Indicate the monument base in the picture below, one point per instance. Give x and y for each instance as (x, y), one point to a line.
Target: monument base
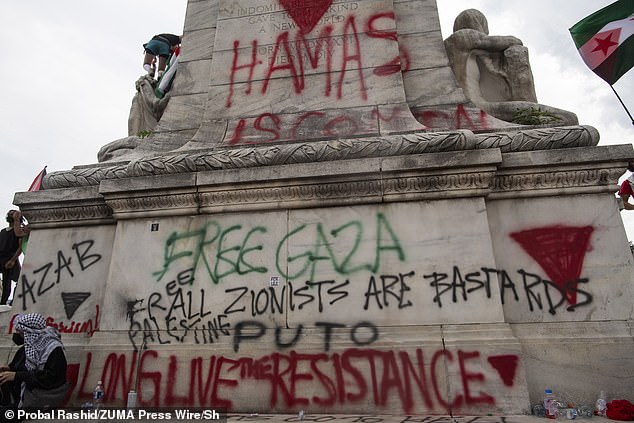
(461, 282)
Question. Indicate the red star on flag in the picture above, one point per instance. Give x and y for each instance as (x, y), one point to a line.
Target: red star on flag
(604, 44)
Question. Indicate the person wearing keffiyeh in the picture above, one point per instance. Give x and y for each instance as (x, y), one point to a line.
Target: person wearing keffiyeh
(41, 361)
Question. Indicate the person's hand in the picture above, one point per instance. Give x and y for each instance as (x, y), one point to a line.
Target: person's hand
(4, 368)
(6, 377)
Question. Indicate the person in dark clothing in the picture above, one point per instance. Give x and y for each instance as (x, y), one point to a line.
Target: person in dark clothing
(10, 250)
(161, 46)
(38, 366)
(11, 390)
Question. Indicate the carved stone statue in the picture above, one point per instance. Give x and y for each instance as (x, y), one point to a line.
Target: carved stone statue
(494, 71)
(145, 112)
(147, 108)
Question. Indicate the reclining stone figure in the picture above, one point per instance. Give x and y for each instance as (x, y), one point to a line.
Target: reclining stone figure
(494, 71)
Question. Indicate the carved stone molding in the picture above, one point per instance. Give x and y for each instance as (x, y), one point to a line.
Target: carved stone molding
(62, 216)
(586, 180)
(449, 185)
(299, 195)
(164, 203)
(330, 150)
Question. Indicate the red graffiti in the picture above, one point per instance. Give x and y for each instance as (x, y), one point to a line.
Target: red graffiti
(235, 68)
(296, 379)
(560, 251)
(394, 114)
(88, 327)
(318, 125)
(306, 13)
(72, 375)
(506, 366)
(269, 127)
(291, 57)
(400, 62)
(458, 119)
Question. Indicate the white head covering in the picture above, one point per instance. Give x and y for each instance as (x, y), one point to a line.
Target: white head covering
(39, 340)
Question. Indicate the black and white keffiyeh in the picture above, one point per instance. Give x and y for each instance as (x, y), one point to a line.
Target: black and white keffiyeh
(39, 340)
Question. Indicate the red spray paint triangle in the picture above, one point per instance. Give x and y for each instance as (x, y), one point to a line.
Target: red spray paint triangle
(306, 13)
(506, 366)
(560, 251)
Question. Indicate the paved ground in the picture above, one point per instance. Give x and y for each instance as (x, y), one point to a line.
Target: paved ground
(324, 418)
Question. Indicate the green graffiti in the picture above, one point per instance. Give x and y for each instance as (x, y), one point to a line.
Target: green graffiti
(211, 246)
(222, 252)
(321, 250)
(172, 253)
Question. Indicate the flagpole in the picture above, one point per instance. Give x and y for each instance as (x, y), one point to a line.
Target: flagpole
(622, 104)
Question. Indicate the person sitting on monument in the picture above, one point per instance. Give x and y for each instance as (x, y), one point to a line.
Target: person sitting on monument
(494, 71)
(36, 376)
(161, 46)
(626, 191)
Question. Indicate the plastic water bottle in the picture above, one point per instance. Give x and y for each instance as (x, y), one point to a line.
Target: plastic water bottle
(550, 405)
(97, 396)
(601, 405)
(571, 412)
(539, 410)
(585, 411)
(131, 399)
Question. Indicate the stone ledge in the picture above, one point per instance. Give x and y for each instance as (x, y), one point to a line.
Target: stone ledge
(329, 151)
(172, 191)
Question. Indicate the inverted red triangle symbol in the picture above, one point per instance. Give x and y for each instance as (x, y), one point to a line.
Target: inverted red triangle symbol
(306, 13)
(506, 366)
(560, 251)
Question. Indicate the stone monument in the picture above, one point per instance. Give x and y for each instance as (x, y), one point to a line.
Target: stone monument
(322, 220)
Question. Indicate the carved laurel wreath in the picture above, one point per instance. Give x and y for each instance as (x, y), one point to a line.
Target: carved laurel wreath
(330, 150)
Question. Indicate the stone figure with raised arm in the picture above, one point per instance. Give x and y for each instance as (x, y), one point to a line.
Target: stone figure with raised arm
(494, 71)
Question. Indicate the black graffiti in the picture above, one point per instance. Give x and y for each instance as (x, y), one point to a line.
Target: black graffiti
(390, 286)
(176, 314)
(86, 260)
(72, 301)
(458, 285)
(552, 290)
(540, 293)
(272, 300)
(253, 330)
(60, 269)
(132, 308)
(164, 330)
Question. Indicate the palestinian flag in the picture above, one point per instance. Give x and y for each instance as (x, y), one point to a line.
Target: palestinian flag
(36, 185)
(605, 40)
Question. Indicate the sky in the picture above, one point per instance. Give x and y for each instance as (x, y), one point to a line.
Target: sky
(68, 70)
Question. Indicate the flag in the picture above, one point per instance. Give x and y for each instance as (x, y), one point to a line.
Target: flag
(37, 182)
(605, 40)
(165, 81)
